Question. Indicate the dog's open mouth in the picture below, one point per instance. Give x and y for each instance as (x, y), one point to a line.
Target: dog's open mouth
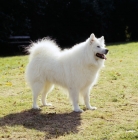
(102, 56)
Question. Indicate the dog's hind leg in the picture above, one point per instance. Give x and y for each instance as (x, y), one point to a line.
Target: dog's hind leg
(36, 89)
(47, 89)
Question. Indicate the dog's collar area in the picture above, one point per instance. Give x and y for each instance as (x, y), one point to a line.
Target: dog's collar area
(102, 56)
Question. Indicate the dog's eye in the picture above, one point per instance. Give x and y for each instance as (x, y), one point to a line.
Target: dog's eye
(98, 46)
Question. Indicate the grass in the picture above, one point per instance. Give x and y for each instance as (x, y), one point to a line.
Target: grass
(115, 95)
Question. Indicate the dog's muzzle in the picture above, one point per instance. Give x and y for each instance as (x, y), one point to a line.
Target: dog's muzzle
(106, 51)
(103, 56)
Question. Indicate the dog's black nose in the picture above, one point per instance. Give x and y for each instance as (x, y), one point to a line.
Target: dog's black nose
(106, 51)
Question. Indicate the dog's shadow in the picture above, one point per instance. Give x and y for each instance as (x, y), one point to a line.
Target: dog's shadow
(52, 124)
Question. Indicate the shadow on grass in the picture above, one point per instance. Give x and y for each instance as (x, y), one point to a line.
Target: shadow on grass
(54, 125)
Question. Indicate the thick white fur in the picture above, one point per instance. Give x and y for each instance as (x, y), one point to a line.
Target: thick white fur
(75, 69)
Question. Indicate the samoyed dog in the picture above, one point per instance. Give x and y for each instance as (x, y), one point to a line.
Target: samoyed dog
(74, 69)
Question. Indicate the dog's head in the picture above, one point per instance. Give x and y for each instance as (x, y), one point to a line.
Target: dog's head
(98, 46)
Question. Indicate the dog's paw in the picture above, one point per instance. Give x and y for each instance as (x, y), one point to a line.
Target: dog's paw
(78, 110)
(36, 108)
(47, 104)
(92, 108)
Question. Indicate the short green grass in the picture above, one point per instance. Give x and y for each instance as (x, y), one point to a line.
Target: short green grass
(115, 95)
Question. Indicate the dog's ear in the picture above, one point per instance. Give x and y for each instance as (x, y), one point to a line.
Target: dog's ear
(92, 38)
(102, 40)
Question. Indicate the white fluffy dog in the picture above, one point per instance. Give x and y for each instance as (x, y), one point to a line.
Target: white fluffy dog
(74, 69)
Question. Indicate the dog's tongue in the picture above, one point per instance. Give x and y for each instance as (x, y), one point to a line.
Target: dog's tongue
(102, 56)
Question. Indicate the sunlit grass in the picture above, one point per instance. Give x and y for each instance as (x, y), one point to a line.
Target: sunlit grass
(115, 96)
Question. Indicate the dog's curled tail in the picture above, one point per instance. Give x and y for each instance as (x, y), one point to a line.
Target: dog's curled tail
(43, 47)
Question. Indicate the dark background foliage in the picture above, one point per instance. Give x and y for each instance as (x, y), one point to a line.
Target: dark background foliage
(69, 21)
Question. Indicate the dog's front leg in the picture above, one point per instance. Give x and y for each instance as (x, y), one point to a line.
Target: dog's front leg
(74, 96)
(86, 96)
